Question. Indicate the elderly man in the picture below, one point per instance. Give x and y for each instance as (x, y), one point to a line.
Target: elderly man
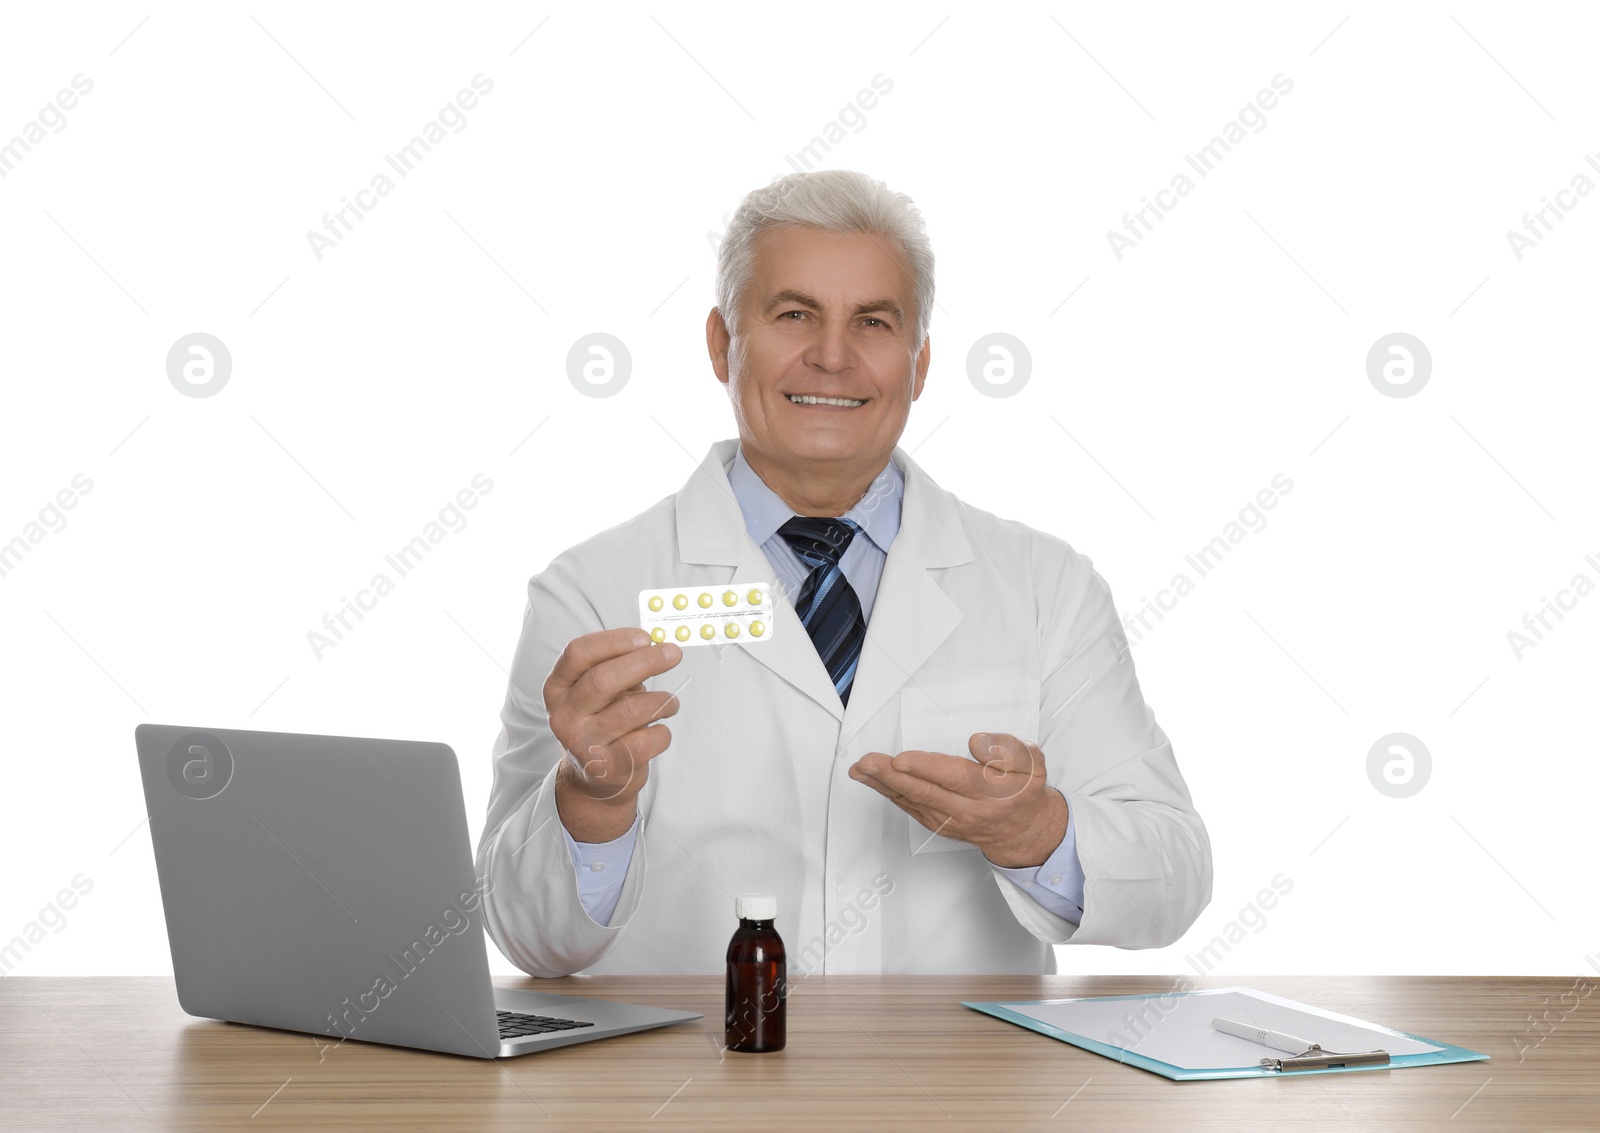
(938, 760)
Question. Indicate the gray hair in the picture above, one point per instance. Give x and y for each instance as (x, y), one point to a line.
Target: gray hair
(835, 200)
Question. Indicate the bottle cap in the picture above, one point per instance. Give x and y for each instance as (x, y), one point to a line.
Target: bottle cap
(755, 906)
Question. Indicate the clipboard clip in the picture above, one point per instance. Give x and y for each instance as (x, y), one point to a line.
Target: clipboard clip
(1315, 1058)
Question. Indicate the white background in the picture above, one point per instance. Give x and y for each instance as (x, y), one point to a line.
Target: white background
(585, 194)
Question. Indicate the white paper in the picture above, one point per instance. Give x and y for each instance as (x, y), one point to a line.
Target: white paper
(1176, 1029)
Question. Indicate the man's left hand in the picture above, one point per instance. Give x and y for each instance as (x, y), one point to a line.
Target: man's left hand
(1002, 803)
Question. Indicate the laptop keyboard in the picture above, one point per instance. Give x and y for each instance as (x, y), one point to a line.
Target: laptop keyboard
(516, 1025)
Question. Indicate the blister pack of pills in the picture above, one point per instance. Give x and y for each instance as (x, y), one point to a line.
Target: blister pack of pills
(739, 613)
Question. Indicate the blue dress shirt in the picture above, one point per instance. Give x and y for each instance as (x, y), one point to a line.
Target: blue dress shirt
(602, 867)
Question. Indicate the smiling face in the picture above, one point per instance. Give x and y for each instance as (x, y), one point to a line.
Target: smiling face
(825, 315)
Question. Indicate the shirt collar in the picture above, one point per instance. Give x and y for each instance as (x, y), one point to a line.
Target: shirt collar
(877, 513)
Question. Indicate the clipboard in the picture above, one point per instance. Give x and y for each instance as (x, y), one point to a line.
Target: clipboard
(1179, 1043)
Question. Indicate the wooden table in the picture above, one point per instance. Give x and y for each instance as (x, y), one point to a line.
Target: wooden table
(864, 1052)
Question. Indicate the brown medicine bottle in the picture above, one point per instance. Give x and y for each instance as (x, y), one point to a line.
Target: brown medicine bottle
(757, 978)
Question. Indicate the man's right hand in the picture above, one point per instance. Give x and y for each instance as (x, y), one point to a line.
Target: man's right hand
(601, 713)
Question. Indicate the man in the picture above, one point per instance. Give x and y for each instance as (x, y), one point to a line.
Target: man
(939, 760)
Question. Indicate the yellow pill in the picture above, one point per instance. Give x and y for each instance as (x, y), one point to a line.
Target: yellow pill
(680, 602)
(656, 603)
(754, 597)
(729, 598)
(708, 632)
(705, 601)
(682, 633)
(757, 629)
(658, 634)
(731, 629)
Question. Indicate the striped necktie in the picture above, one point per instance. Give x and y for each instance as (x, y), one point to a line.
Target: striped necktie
(827, 604)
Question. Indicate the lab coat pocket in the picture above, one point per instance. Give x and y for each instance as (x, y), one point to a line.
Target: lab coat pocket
(942, 717)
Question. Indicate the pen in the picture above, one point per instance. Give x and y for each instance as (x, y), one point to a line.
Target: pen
(1275, 1039)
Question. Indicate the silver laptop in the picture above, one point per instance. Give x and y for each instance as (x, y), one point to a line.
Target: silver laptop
(325, 884)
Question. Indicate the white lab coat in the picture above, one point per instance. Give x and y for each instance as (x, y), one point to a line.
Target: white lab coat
(980, 624)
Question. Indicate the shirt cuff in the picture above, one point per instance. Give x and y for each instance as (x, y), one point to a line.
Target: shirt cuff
(1057, 885)
(602, 867)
